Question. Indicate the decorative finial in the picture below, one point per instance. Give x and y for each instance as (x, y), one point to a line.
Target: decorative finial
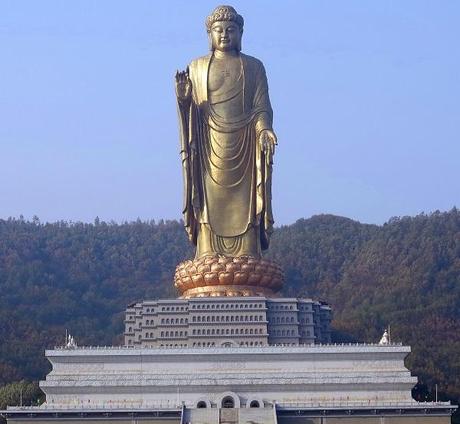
(70, 344)
(385, 340)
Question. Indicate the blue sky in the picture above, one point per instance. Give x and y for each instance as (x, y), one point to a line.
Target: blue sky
(366, 99)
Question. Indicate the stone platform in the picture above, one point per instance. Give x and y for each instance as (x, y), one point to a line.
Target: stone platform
(366, 384)
(164, 377)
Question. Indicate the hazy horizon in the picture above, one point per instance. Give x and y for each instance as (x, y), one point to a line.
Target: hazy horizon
(157, 220)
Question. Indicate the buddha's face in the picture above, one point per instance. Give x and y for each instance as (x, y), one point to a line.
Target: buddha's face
(226, 36)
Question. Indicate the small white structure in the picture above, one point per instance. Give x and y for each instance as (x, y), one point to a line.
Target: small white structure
(70, 342)
(385, 340)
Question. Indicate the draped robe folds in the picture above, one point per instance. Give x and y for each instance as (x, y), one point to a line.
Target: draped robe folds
(227, 178)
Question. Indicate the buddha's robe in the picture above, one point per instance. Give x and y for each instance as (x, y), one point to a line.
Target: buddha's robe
(227, 178)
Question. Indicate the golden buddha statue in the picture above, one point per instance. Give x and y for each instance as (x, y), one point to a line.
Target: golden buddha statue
(227, 147)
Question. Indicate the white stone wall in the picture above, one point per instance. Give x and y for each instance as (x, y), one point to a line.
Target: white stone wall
(287, 375)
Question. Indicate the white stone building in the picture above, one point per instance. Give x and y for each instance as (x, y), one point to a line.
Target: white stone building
(227, 321)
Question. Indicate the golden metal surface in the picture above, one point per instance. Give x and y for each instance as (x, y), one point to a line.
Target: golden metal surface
(227, 291)
(227, 144)
(239, 276)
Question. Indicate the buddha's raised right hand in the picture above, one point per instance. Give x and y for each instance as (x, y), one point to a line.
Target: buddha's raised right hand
(183, 86)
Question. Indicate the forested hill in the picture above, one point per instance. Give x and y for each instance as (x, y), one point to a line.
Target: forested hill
(81, 277)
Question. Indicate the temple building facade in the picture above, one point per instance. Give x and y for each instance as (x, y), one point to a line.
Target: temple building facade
(227, 322)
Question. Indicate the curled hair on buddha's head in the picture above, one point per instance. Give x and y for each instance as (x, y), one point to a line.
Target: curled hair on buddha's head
(224, 13)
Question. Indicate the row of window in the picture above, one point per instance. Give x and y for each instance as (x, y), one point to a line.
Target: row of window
(286, 333)
(174, 345)
(211, 332)
(173, 321)
(227, 306)
(172, 309)
(211, 344)
(227, 331)
(228, 318)
(208, 344)
(281, 320)
(281, 307)
(217, 318)
(172, 334)
(305, 307)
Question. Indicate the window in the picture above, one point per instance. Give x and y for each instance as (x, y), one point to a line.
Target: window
(228, 402)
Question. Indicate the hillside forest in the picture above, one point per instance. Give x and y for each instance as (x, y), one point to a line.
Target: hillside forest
(80, 277)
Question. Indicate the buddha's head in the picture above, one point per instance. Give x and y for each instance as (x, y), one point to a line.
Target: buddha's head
(225, 29)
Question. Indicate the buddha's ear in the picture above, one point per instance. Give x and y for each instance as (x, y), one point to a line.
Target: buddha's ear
(210, 41)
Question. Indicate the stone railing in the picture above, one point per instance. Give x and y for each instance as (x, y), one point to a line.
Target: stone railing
(279, 345)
